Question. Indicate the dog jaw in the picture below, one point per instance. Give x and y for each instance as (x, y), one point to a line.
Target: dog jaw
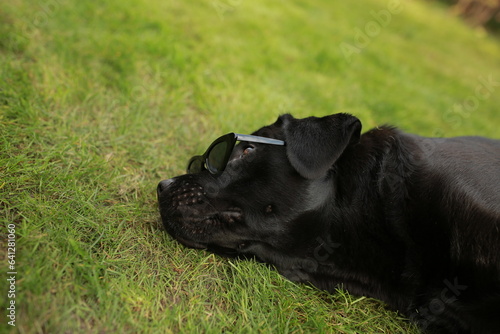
(191, 216)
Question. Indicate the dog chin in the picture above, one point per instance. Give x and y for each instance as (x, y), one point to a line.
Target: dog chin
(228, 248)
(191, 243)
(205, 232)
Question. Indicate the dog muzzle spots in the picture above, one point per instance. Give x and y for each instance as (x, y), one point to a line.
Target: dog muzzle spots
(187, 195)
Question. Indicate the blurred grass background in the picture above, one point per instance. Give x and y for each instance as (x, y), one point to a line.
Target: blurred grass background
(100, 101)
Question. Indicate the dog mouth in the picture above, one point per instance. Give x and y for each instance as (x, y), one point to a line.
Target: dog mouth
(195, 219)
(204, 232)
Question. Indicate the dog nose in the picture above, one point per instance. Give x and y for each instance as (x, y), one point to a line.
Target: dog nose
(164, 185)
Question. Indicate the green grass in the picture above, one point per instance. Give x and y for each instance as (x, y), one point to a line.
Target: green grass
(98, 102)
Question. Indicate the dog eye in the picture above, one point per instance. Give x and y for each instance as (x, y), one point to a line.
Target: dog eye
(247, 150)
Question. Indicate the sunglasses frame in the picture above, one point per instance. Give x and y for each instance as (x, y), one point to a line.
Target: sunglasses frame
(231, 139)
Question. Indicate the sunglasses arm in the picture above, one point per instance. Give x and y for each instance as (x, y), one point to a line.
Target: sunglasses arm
(257, 139)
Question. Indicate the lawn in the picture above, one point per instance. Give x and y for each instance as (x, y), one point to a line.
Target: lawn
(101, 100)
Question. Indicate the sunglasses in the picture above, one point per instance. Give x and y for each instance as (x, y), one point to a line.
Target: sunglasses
(218, 153)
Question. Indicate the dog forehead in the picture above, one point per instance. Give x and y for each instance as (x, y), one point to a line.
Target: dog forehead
(270, 131)
(276, 129)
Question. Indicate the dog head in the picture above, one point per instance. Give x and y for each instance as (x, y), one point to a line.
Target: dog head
(264, 190)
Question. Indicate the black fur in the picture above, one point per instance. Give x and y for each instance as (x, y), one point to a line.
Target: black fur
(409, 220)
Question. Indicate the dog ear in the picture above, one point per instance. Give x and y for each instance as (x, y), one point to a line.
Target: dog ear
(314, 144)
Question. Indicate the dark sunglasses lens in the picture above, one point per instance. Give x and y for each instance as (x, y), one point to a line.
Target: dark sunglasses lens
(195, 165)
(216, 160)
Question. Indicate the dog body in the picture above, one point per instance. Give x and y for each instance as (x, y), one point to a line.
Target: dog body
(409, 220)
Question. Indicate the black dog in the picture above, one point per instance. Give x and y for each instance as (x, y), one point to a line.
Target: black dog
(412, 221)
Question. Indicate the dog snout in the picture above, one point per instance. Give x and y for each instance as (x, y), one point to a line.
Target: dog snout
(164, 185)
